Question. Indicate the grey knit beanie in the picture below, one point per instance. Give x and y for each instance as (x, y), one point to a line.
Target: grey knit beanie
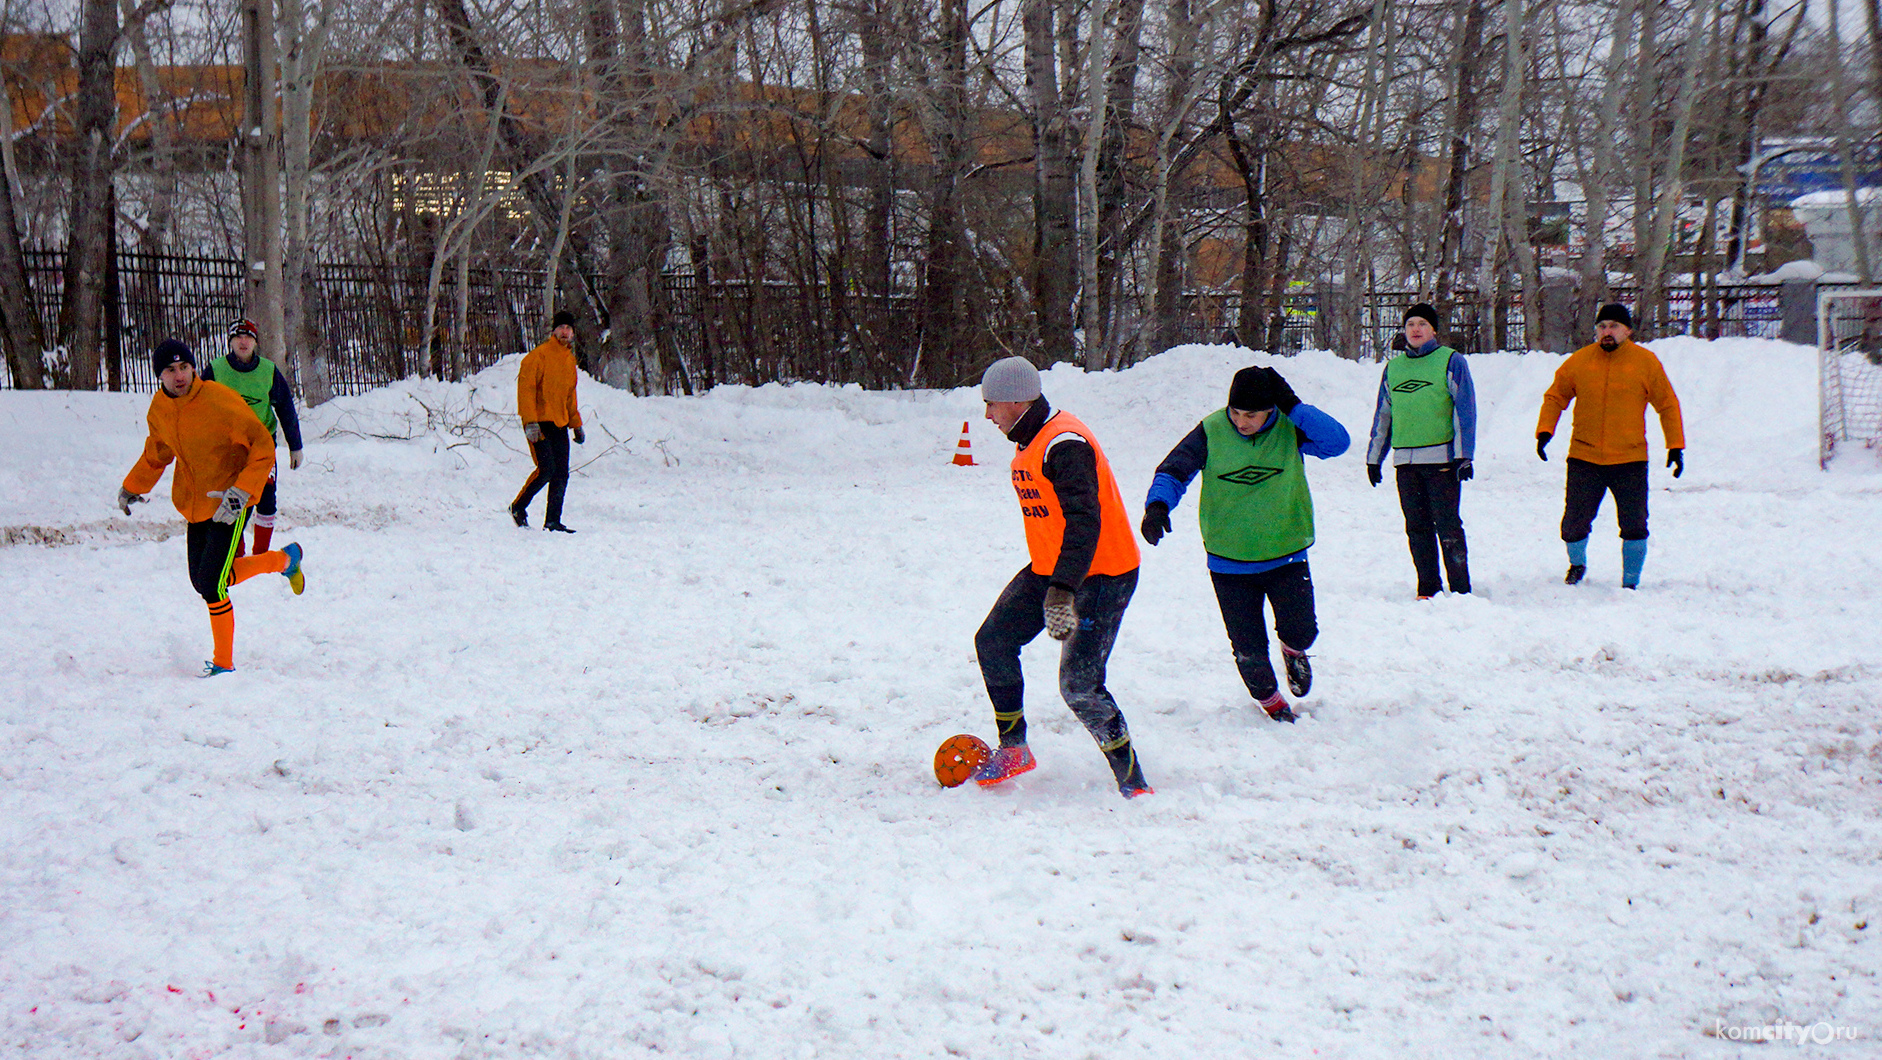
(1010, 379)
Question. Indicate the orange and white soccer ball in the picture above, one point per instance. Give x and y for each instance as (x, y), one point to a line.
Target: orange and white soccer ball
(958, 757)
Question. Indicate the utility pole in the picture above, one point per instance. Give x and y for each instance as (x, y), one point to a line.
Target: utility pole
(261, 186)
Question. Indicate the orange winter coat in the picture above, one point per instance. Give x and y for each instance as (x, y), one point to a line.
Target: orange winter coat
(545, 385)
(215, 440)
(1611, 392)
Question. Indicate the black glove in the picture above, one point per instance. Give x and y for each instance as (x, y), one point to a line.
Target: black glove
(1676, 459)
(1464, 471)
(1061, 616)
(580, 437)
(1284, 397)
(1375, 473)
(1156, 521)
(532, 432)
(1542, 445)
(126, 498)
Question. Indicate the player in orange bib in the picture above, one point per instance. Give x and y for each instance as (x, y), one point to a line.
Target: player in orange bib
(1082, 573)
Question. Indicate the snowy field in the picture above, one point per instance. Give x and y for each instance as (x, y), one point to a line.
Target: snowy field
(663, 787)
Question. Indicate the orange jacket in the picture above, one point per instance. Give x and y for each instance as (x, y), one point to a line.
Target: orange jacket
(1611, 392)
(216, 441)
(1045, 518)
(545, 385)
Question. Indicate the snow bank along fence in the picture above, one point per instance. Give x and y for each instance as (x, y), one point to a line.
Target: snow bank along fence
(367, 321)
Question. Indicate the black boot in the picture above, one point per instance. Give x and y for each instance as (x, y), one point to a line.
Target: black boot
(1299, 670)
(1129, 774)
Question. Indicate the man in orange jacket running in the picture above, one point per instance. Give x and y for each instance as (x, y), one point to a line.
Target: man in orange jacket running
(1082, 573)
(545, 399)
(223, 457)
(1610, 383)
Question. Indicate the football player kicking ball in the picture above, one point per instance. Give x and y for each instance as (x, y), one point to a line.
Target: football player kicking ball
(1082, 573)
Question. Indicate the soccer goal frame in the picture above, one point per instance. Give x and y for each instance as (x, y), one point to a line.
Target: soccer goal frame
(1849, 371)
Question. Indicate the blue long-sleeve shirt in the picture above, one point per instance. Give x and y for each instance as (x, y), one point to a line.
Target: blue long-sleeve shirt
(1319, 435)
(1463, 443)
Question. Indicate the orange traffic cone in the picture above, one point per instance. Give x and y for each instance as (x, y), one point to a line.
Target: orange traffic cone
(964, 449)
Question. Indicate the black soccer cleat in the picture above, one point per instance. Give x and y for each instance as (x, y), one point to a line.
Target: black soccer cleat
(1299, 670)
(1573, 577)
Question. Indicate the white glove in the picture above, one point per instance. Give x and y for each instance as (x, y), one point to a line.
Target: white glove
(294, 460)
(1061, 615)
(126, 498)
(234, 499)
(533, 432)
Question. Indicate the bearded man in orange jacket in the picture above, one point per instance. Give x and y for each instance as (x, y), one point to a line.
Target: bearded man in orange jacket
(223, 458)
(545, 399)
(1610, 383)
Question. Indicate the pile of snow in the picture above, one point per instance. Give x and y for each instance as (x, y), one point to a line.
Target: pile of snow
(663, 787)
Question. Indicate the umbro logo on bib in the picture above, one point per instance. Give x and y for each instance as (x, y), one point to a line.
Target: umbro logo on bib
(1251, 475)
(1410, 385)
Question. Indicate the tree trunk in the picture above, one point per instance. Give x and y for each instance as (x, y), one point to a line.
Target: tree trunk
(1163, 279)
(1097, 106)
(1503, 157)
(944, 358)
(1120, 114)
(154, 235)
(878, 237)
(1601, 177)
(1463, 108)
(302, 48)
(1644, 117)
(1858, 228)
(19, 316)
(89, 216)
(1672, 184)
(261, 181)
(1054, 190)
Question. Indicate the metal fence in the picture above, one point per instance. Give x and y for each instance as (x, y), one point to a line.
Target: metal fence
(369, 321)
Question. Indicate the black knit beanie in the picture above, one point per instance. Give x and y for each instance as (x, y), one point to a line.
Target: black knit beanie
(1251, 391)
(170, 351)
(1426, 310)
(562, 317)
(1616, 312)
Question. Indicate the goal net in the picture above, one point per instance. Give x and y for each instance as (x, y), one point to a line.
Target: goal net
(1849, 375)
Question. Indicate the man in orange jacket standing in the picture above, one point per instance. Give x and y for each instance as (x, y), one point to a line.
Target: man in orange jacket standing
(545, 399)
(1082, 573)
(1610, 383)
(223, 457)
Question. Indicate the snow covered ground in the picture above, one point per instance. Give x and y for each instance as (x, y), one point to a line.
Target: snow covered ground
(663, 787)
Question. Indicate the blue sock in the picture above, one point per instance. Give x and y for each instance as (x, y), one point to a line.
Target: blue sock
(1578, 553)
(1633, 557)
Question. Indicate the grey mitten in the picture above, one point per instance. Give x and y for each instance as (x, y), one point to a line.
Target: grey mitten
(234, 499)
(126, 498)
(1061, 615)
(532, 432)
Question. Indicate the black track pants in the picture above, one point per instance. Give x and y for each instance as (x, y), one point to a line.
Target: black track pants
(1019, 616)
(1288, 590)
(552, 470)
(1589, 483)
(1429, 494)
